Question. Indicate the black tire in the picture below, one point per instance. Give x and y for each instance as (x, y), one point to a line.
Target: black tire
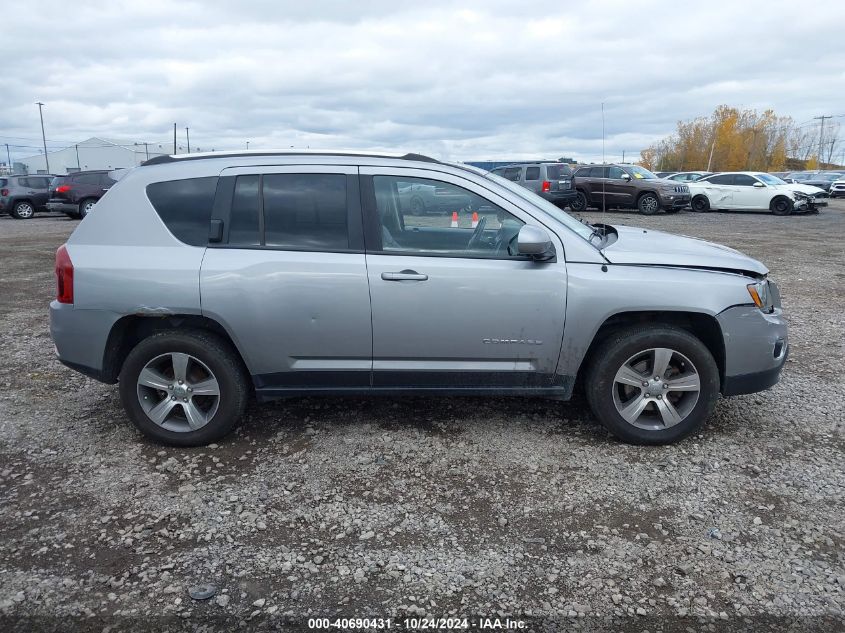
(648, 204)
(85, 207)
(580, 202)
(700, 204)
(23, 210)
(781, 205)
(623, 344)
(217, 355)
(417, 206)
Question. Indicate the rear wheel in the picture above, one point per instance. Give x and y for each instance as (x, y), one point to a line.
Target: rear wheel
(580, 202)
(781, 205)
(85, 207)
(23, 210)
(648, 204)
(653, 384)
(417, 206)
(700, 204)
(184, 388)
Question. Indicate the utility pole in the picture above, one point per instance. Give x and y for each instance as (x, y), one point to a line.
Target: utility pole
(712, 147)
(43, 136)
(147, 150)
(623, 156)
(174, 138)
(188, 138)
(247, 145)
(9, 156)
(821, 136)
(78, 166)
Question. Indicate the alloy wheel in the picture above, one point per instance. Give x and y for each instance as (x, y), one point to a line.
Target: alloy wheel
(24, 210)
(656, 389)
(178, 392)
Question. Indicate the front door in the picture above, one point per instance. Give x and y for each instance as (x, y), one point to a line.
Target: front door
(749, 194)
(288, 278)
(452, 308)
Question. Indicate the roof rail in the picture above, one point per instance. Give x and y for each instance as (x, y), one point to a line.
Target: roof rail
(161, 160)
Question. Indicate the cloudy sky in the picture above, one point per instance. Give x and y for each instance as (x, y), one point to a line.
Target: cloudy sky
(458, 80)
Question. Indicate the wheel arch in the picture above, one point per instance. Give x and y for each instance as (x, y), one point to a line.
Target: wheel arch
(703, 326)
(130, 330)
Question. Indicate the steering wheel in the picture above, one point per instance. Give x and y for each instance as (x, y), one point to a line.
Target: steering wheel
(475, 240)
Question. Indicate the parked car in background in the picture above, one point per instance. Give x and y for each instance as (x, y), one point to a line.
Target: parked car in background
(628, 186)
(422, 199)
(822, 180)
(552, 181)
(76, 194)
(314, 279)
(688, 176)
(22, 196)
(663, 174)
(837, 187)
(753, 191)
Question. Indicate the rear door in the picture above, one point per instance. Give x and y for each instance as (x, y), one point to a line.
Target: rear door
(532, 180)
(39, 189)
(288, 277)
(451, 308)
(720, 191)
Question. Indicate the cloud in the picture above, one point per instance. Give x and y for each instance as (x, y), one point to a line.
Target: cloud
(483, 80)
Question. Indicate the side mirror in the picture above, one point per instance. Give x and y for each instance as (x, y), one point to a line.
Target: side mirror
(535, 242)
(759, 184)
(626, 177)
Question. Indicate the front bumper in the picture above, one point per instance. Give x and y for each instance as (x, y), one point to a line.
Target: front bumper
(756, 348)
(62, 207)
(674, 200)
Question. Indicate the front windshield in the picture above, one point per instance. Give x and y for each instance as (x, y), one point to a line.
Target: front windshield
(639, 172)
(584, 230)
(769, 179)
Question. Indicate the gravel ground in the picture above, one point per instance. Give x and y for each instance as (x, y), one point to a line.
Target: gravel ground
(446, 507)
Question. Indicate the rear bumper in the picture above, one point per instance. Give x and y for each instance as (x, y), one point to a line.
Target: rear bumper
(756, 348)
(80, 337)
(560, 197)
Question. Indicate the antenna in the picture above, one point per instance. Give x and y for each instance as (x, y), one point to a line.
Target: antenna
(604, 176)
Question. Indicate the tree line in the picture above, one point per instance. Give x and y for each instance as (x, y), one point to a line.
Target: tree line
(731, 139)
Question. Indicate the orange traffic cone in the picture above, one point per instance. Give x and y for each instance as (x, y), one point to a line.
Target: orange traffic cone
(474, 219)
(454, 224)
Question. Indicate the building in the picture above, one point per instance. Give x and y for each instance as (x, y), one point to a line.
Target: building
(95, 153)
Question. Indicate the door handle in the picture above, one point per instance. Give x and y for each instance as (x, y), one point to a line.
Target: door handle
(405, 275)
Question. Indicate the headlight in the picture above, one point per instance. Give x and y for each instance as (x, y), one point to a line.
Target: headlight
(799, 196)
(760, 295)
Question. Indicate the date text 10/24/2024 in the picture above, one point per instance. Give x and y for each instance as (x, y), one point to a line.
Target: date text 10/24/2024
(418, 624)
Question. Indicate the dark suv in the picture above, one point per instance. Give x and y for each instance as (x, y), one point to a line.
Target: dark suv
(76, 194)
(628, 186)
(552, 181)
(22, 196)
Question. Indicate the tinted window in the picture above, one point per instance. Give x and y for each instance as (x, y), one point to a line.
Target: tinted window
(512, 173)
(721, 179)
(532, 173)
(39, 182)
(87, 179)
(615, 172)
(557, 172)
(243, 220)
(584, 172)
(106, 180)
(407, 228)
(185, 207)
(305, 211)
(3, 182)
(744, 180)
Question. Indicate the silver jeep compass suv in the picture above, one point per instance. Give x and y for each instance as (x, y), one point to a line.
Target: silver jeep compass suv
(198, 280)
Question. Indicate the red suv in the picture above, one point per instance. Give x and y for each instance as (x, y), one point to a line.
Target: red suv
(76, 194)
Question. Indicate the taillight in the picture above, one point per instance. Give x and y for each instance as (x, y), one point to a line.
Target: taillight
(64, 276)
(62, 188)
(547, 186)
(4, 192)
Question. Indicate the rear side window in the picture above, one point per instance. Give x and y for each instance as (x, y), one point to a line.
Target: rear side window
(305, 211)
(532, 173)
(721, 179)
(185, 207)
(87, 179)
(558, 172)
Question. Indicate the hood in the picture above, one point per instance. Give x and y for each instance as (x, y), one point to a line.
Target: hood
(805, 189)
(656, 248)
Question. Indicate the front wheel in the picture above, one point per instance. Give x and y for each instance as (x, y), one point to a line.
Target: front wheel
(700, 204)
(648, 204)
(183, 388)
(652, 384)
(781, 205)
(23, 211)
